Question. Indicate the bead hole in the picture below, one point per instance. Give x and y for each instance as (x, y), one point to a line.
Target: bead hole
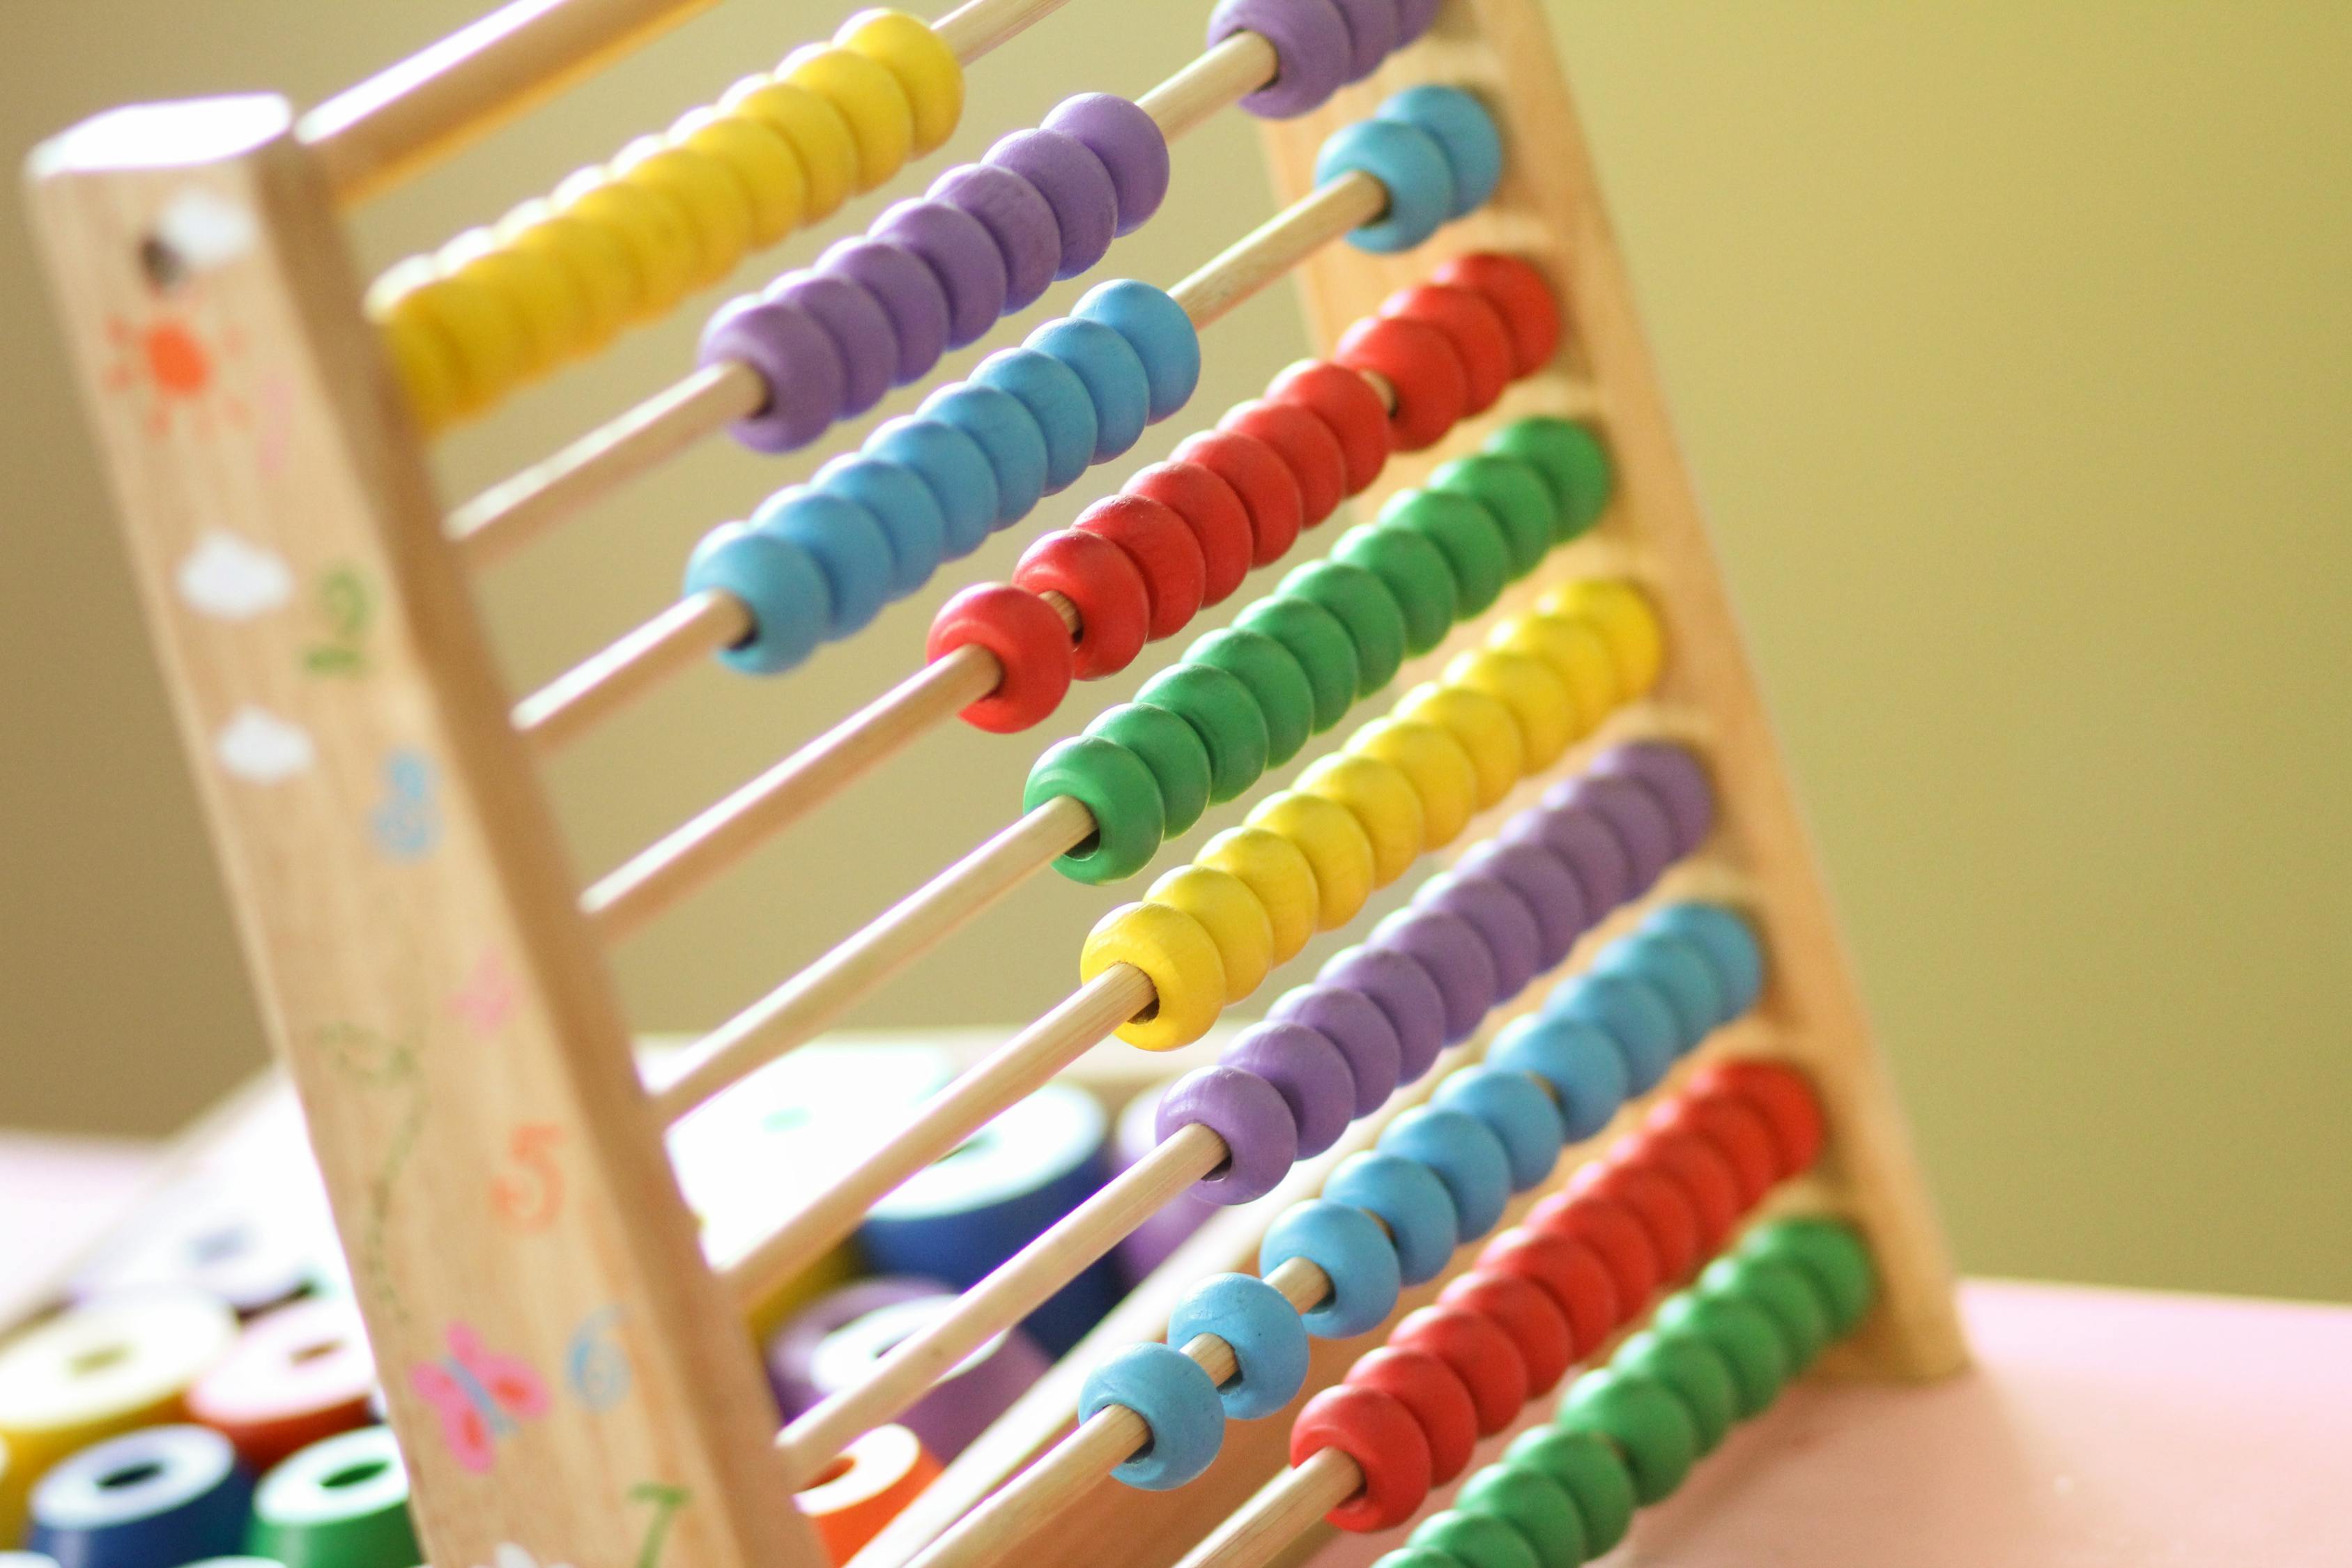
(97, 1359)
(831, 1473)
(130, 1476)
(356, 1475)
(318, 1351)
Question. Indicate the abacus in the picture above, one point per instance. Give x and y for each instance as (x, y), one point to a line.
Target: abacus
(1575, 705)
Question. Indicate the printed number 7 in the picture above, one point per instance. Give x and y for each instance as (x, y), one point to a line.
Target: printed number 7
(666, 1501)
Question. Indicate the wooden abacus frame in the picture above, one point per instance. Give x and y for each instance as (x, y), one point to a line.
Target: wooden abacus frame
(426, 970)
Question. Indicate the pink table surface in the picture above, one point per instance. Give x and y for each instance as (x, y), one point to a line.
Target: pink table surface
(2099, 1429)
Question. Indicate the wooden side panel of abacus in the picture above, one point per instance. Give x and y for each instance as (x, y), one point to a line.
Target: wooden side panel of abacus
(1549, 210)
(564, 1372)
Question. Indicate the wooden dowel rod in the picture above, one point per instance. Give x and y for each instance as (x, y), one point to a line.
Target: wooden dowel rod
(792, 1014)
(593, 690)
(1225, 76)
(1279, 244)
(1284, 1509)
(973, 28)
(1019, 1068)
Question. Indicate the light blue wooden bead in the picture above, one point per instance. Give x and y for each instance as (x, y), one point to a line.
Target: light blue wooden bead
(1466, 1154)
(1177, 1400)
(956, 470)
(1585, 1067)
(1057, 399)
(1517, 1110)
(1156, 327)
(903, 504)
(1463, 130)
(1002, 426)
(1729, 945)
(849, 545)
(1349, 1246)
(776, 579)
(1408, 162)
(1405, 1195)
(1269, 1343)
(1112, 373)
(1678, 972)
(1632, 1014)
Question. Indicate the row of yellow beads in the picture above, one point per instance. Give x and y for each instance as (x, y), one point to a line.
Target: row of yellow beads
(1208, 933)
(623, 242)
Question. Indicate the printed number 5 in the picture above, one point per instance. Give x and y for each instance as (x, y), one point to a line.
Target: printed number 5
(530, 1197)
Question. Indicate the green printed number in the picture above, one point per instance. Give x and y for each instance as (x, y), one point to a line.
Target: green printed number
(666, 1501)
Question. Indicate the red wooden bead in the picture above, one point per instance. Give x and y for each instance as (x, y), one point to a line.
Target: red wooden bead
(1662, 1206)
(1346, 401)
(1113, 601)
(1031, 645)
(1736, 1129)
(1481, 1355)
(1615, 1234)
(1475, 327)
(1783, 1097)
(1518, 293)
(1307, 448)
(1421, 366)
(1692, 1163)
(1377, 1431)
(1571, 1272)
(1438, 1398)
(1527, 1312)
(1213, 510)
(1156, 539)
(1269, 491)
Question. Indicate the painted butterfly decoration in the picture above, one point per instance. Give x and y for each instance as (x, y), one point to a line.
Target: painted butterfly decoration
(478, 1394)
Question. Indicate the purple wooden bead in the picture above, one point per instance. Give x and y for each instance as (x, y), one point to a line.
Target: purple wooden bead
(793, 354)
(1312, 50)
(1017, 218)
(1548, 888)
(910, 294)
(1372, 33)
(1676, 776)
(861, 330)
(1634, 813)
(1246, 1110)
(1074, 183)
(1414, 17)
(1501, 918)
(1311, 1073)
(1455, 955)
(1132, 147)
(1353, 1022)
(1587, 845)
(1405, 991)
(961, 254)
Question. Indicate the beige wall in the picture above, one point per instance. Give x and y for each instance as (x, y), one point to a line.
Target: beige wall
(2009, 340)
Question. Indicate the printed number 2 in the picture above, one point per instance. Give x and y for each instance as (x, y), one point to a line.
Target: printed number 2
(666, 1501)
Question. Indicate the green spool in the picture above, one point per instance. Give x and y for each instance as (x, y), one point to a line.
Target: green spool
(1532, 1503)
(1587, 1467)
(1466, 534)
(1171, 749)
(1320, 644)
(1366, 607)
(1275, 681)
(1695, 1371)
(1117, 787)
(1475, 1540)
(1414, 570)
(1519, 497)
(1573, 462)
(1793, 1302)
(1647, 1421)
(1223, 714)
(341, 1503)
(1753, 1348)
(1831, 1254)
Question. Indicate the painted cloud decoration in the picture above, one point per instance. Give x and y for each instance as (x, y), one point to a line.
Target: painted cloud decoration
(513, 1556)
(207, 230)
(260, 747)
(233, 578)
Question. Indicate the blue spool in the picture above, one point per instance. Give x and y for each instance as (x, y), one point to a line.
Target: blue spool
(160, 1496)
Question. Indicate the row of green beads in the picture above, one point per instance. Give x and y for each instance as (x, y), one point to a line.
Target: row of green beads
(1627, 1435)
(1246, 697)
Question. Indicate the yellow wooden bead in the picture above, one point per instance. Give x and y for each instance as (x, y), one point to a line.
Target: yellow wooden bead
(1626, 622)
(602, 274)
(1434, 763)
(1381, 797)
(1278, 872)
(1335, 845)
(717, 206)
(761, 160)
(1233, 917)
(648, 224)
(538, 292)
(881, 120)
(1484, 728)
(486, 340)
(1576, 652)
(1537, 699)
(424, 362)
(1176, 953)
(813, 129)
(926, 70)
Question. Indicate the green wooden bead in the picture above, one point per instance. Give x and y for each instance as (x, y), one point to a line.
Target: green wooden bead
(1532, 1503)
(1274, 681)
(1571, 459)
(1223, 713)
(1467, 535)
(1795, 1304)
(1511, 488)
(1832, 1255)
(340, 1503)
(1752, 1346)
(1476, 1540)
(1590, 1468)
(1412, 569)
(1320, 644)
(1170, 748)
(1417, 1557)
(1117, 787)
(1648, 1423)
(1695, 1371)
(1366, 607)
